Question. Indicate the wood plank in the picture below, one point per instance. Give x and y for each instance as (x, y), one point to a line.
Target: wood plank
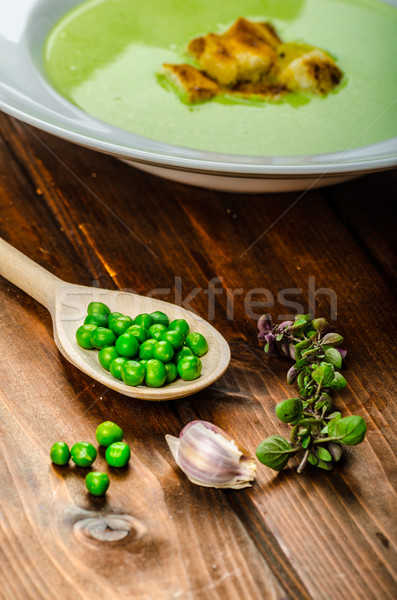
(317, 535)
(367, 207)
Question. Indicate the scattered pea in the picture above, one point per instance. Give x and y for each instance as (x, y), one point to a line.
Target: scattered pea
(118, 454)
(197, 343)
(60, 454)
(83, 454)
(83, 335)
(97, 483)
(107, 355)
(107, 433)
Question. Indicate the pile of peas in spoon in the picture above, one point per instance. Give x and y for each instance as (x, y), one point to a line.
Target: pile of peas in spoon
(146, 350)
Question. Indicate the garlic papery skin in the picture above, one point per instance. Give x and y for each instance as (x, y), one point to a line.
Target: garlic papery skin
(211, 458)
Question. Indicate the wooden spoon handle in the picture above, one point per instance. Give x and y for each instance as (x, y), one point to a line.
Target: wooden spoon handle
(28, 275)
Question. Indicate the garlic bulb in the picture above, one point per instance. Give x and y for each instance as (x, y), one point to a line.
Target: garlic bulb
(209, 457)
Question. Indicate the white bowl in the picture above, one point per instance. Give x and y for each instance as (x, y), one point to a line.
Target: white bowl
(26, 94)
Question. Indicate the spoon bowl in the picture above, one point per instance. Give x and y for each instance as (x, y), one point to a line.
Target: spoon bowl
(67, 304)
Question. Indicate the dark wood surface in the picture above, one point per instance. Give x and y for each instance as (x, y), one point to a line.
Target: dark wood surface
(316, 535)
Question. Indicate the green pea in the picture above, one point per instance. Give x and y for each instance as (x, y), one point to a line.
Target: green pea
(97, 483)
(83, 335)
(101, 337)
(171, 372)
(184, 351)
(156, 374)
(114, 315)
(197, 343)
(107, 355)
(97, 308)
(140, 333)
(143, 319)
(127, 345)
(175, 338)
(180, 325)
(60, 454)
(107, 433)
(143, 362)
(189, 368)
(83, 454)
(156, 331)
(146, 349)
(116, 367)
(163, 351)
(160, 318)
(133, 373)
(118, 454)
(119, 324)
(99, 320)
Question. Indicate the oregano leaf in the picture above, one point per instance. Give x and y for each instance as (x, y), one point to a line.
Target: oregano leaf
(323, 454)
(323, 375)
(289, 410)
(333, 356)
(275, 452)
(348, 430)
(338, 383)
(322, 464)
(332, 339)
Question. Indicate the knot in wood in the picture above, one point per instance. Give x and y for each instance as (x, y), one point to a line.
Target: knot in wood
(109, 528)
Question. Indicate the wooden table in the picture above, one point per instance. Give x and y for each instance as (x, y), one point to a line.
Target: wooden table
(95, 221)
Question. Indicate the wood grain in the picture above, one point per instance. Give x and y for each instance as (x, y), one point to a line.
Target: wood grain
(314, 536)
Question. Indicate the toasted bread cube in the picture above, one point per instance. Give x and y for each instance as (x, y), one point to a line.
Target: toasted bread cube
(314, 71)
(229, 59)
(263, 31)
(261, 90)
(191, 82)
(215, 58)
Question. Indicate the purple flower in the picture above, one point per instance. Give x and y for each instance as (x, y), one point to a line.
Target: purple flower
(265, 323)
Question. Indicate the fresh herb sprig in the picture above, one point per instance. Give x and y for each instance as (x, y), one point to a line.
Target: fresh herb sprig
(318, 432)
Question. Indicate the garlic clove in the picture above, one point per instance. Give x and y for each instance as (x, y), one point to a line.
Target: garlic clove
(211, 458)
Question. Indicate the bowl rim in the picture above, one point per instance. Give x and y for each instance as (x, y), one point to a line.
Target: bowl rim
(39, 105)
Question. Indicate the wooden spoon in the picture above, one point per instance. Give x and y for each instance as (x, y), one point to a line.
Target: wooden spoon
(67, 304)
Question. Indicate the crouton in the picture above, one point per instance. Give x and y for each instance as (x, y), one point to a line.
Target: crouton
(263, 31)
(314, 71)
(191, 82)
(229, 59)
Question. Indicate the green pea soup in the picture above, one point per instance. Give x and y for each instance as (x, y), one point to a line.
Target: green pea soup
(105, 55)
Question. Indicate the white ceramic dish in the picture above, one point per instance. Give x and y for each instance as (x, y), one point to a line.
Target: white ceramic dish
(26, 95)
